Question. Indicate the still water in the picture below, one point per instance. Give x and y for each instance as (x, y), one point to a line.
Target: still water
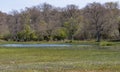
(39, 45)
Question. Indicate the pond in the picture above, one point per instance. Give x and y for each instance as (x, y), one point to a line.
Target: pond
(39, 45)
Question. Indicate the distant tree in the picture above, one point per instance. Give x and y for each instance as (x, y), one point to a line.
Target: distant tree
(46, 22)
(50, 18)
(3, 24)
(71, 13)
(95, 15)
(14, 24)
(113, 14)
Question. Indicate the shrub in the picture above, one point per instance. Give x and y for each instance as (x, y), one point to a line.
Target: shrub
(8, 37)
(60, 34)
(26, 36)
(106, 44)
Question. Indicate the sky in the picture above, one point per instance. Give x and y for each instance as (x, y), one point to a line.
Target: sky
(9, 5)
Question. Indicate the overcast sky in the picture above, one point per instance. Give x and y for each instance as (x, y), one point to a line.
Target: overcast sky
(9, 5)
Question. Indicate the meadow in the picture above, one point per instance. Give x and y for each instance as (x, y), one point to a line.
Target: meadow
(91, 32)
(60, 59)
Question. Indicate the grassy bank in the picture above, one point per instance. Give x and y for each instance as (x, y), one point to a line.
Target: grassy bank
(75, 59)
(91, 42)
(51, 42)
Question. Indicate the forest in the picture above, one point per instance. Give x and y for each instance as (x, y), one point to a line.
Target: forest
(95, 21)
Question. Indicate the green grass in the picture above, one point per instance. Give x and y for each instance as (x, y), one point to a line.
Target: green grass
(75, 59)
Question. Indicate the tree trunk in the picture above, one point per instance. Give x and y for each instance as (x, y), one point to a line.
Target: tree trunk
(119, 33)
(98, 37)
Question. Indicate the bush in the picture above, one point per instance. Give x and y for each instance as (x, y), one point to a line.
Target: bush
(33, 36)
(60, 34)
(7, 37)
(26, 36)
(106, 44)
(40, 37)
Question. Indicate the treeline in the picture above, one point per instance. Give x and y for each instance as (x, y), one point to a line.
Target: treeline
(46, 22)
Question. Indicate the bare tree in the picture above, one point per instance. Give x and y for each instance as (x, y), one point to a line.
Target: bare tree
(3, 25)
(113, 18)
(95, 14)
(50, 18)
